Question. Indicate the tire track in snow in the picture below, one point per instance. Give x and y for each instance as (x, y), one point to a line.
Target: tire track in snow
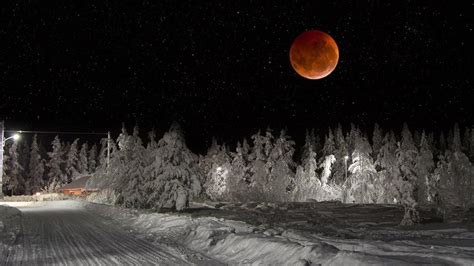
(76, 237)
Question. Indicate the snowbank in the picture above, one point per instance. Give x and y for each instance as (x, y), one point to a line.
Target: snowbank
(10, 228)
(235, 242)
(326, 233)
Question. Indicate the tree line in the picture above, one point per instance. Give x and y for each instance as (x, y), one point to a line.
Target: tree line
(352, 166)
(30, 168)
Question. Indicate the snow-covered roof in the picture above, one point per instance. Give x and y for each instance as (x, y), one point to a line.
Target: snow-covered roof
(78, 183)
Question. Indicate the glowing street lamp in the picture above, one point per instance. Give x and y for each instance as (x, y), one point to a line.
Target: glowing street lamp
(15, 137)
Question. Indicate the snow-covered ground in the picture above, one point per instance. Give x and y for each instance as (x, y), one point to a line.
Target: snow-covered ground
(9, 229)
(74, 232)
(304, 233)
(63, 232)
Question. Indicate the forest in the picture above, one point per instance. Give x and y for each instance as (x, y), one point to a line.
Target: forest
(408, 168)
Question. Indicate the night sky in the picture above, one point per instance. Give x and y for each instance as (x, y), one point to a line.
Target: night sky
(222, 68)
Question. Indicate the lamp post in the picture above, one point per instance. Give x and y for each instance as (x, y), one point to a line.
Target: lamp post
(15, 137)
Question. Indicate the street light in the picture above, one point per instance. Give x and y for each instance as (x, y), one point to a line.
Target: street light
(15, 137)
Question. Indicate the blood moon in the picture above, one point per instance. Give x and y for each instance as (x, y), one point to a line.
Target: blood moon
(314, 54)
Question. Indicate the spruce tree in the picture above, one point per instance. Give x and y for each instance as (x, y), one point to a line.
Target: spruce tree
(72, 161)
(56, 166)
(13, 177)
(36, 169)
(406, 181)
(361, 184)
(377, 140)
(282, 165)
(259, 168)
(92, 159)
(174, 171)
(83, 163)
(466, 141)
(388, 172)
(424, 168)
(133, 188)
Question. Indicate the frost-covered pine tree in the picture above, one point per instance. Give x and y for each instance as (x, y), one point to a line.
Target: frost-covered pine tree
(259, 168)
(424, 167)
(306, 182)
(134, 178)
(442, 143)
(388, 170)
(56, 171)
(328, 157)
(309, 145)
(239, 180)
(218, 172)
(92, 159)
(174, 173)
(13, 178)
(282, 165)
(460, 172)
(406, 181)
(341, 155)
(471, 146)
(466, 141)
(377, 140)
(72, 161)
(360, 186)
(36, 169)
(326, 165)
(23, 149)
(329, 147)
(83, 164)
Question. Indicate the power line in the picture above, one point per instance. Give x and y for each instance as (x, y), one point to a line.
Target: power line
(55, 132)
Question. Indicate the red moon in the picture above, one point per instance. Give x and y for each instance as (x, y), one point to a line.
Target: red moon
(314, 54)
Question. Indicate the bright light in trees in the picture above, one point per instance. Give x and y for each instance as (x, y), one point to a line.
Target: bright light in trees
(219, 169)
(16, 137)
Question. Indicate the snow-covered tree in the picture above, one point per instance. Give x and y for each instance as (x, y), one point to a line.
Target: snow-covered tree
(36, 169)
(377, 140)
(326, 165)
(341, 155)
(174, 171)
(72, 161)
(258, 167)
(466, 141)
(281, 165)
(329, 147)
(56, 165)
(239, 180)
(471, 146)
(309, 146)
(360, 186)
(406, 181)
(13, 178)
(132, 192)
(424, 167)
(442, 143)
(388, 172)
(92, 159)
(83, 163)
(218, 172)
(306, 182)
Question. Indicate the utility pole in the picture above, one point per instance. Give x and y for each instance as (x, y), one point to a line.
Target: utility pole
(2, 136)
(108, 151)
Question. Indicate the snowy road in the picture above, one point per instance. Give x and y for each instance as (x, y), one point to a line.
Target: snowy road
(70, 235)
